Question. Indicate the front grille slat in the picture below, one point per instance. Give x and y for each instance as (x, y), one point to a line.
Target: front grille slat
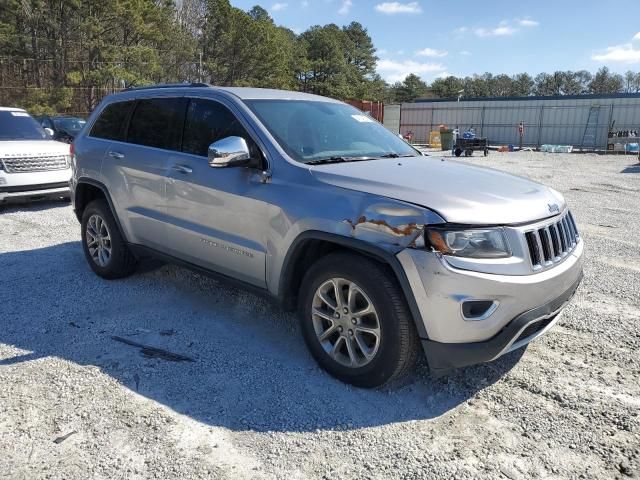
(573, 224)
(573, 232)
(569, 232)
(544, 243)
(555, 240)
(34, 164)
(533, 248)
(552, 249)
(567, 228)
(551, 243)
(571, 229)
(539, 246)
(563, 237)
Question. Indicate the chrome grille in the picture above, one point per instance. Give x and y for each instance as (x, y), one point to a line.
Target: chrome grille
(34, 164)
(551, 243)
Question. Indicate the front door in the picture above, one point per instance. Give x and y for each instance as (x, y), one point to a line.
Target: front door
(214, 217)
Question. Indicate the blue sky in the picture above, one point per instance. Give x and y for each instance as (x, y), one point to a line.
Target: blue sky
(434, 39)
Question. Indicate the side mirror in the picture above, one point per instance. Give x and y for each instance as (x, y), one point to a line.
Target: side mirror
(49, 132)
(229, 152)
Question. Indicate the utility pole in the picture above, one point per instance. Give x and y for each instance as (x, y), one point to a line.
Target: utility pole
(200, 67)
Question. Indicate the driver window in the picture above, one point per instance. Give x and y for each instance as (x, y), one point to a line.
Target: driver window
(207, 122)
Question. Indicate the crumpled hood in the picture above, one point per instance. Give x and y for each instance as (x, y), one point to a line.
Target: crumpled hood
(32, 148)
(459, 192)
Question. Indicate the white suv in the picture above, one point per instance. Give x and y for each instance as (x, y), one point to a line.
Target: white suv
(32, 166)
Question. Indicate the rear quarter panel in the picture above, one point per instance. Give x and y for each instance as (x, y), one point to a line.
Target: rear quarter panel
(89, 153)
(87, 160)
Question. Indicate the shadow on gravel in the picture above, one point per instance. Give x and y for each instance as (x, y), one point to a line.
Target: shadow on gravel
(631, 169)
(251, 369)
(33, 206)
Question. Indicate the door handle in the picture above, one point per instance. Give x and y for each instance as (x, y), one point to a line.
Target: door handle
(182, 169)
(116, 155)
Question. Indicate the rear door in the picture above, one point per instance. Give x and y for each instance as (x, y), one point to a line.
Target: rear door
(215, 218)
(106, 133)
(138, 168)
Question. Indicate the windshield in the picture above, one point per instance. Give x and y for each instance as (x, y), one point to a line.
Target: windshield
(69, 124)
(310, 131)
(20, 126)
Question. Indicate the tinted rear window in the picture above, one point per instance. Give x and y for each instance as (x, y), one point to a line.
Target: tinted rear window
(110, 124)
(157, 123)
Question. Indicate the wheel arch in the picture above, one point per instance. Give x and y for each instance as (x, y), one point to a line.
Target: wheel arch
(86, 191)
(309, 246)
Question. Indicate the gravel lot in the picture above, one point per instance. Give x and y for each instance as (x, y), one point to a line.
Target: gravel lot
(253, 404)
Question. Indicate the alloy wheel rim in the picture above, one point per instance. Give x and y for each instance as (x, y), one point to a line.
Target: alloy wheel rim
(346, 322)
(98, 240)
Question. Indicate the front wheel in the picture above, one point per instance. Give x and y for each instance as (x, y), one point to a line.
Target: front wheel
(356, 322)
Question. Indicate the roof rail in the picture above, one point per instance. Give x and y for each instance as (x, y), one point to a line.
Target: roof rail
(169, 85)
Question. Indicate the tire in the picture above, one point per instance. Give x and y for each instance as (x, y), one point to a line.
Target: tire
(468, 153)
(457, 152)
(394, 354)
(121, 262)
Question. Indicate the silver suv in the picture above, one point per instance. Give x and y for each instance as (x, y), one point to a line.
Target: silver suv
(381, 249)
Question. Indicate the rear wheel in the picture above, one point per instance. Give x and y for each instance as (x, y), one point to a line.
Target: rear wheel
(457, 152)
(104, 248)
(355, 321)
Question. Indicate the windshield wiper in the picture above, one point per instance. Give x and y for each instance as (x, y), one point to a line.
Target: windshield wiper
(324, 161)
(341, 159)
(396, 155)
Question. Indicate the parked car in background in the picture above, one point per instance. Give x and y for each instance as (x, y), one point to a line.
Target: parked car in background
(32, 165)
(310, 201)
(64, 128)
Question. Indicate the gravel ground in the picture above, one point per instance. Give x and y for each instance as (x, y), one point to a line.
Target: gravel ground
(253, 404)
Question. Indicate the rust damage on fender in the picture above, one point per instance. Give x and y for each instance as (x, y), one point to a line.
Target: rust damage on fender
(400, 231)
(396, 225)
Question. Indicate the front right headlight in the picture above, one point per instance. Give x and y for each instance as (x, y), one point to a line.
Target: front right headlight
(471, 243)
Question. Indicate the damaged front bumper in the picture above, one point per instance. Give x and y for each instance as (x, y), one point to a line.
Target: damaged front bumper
(523, 307)
(519, 332)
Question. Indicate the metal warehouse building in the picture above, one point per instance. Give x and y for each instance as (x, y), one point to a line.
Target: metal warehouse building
(581, 120)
